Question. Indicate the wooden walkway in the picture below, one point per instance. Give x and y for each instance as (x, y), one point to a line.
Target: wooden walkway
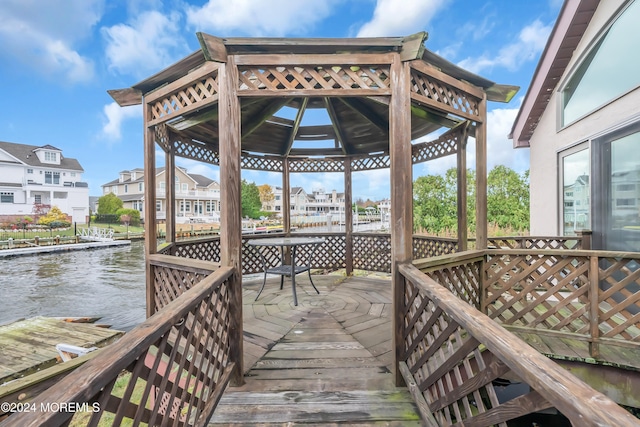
(325, 361)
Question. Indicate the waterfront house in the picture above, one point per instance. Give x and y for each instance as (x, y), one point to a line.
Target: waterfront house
(197, 197)
(35, 178)
(581, 121)
(303, 203)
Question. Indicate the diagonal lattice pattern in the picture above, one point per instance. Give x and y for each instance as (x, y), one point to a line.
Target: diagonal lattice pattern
(425, 247)
(314, 77)
(619, 299)
(463, 280)
(435, 90)
(372, 252)
(538, 291)
(191, 149)
(528, 242)
(316, 165)
(190, 96)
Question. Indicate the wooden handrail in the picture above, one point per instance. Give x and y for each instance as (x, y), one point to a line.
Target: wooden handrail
(83, 384)
(583, 405)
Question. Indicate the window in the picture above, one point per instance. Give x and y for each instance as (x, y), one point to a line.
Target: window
(30, 171)
(137, 204)
(48, 177)
(6, 197)
(114, 189)
(56, 177)
(162, 185)
(575, 172)
(158, 205)
(37, 199)
(210, 206)
(140, 186)
(185, 206)
(185, 188)
(607, 71)
(625, 187)
(126, 188)
(73, 174)
(50, 156)
(625, 203)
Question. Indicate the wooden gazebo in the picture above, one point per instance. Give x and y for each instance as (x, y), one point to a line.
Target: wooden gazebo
(459, 321)
(220, 106)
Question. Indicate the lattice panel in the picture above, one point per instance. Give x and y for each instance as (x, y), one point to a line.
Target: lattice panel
(316, 165)
(464, 281)
(328, 256)
(205, 250)
(440, 92)
(174, 380)
(538, 291)
(170, 283)
(310, 77)
(451, 370)
(271, 164)
(162, 137)
(251, 260)
(619, 299)
(372, 252)
(444, 146)
(528, 242)
(380, 161)
(425, 247)
(173, 104)
(197, 151)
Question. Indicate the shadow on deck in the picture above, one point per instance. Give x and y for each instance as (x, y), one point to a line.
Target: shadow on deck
(327, 360)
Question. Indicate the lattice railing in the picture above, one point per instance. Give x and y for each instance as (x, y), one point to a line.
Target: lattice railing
(454, 358)
(534, 242)
(314, 78)
(170, 370)
(190, 149)
(372, 252)
(428, 246)
(316, 165)
(554, 290)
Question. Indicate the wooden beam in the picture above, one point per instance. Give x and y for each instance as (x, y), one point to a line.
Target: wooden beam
(424, 68)
(213, 48)
(461, 158)
(275, 59)
(267, 112)
(433, 117)
(401, 198)
(286, 197)
(481, 177)
(126, 97)
(230, 211)
(170, 190)
(296, 152)
(299, 93)
(368, 113)
(336, 125)
(184, 123)
(296, 126)
(413, 46)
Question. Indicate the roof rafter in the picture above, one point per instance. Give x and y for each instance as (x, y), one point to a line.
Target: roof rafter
(296, 126)
(368, 113)
(336, 125)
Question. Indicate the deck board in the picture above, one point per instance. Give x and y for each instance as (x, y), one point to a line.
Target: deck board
(319, 370)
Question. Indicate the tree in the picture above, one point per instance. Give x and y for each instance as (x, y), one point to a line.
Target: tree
(266, 194)
(508, 198)
(250, 199)
(434, 203)
(54, 218)
(109, 204)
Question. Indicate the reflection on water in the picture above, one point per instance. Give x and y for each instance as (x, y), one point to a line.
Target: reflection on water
(107, 283)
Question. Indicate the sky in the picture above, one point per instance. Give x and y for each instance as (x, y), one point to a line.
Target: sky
(59, 57)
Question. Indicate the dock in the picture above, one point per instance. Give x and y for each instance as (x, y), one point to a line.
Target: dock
(29, 346)
(33, 250)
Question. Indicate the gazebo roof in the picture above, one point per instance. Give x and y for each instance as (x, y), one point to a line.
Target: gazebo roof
(356, 123)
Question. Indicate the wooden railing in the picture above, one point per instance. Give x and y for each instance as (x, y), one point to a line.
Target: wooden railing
(540, 242)
(592, 295)
(371, 251)
(170, 370)
(452, 354)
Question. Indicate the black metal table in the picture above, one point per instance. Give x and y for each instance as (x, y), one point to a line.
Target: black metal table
(286, 269)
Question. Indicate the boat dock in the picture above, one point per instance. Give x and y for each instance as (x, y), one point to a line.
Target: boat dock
(32, 250)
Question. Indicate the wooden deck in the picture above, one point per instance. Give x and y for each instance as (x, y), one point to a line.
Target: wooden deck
(325, 361)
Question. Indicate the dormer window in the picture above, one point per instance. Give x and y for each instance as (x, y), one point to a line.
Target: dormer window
(50, 156)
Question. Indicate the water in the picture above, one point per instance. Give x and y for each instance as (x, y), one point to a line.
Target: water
(107, 283)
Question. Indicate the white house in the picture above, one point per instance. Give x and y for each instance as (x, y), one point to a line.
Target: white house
(581, 120)
(35, 178)
(303, 203)
(197, 197)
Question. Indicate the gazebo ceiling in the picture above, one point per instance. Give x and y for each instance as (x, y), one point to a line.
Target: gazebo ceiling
(326, 124)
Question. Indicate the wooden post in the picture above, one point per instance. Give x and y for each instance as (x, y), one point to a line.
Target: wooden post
(286, 197)
(170, 191)
(462, 191)
(481, 176)
(348, 217)
(585, 239)
(594, 307)
(401, 197)
(150, 240)
(231, 210)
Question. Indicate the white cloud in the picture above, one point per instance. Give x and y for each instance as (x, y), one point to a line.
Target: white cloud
(43, 35)
(114, 116)
(257, 18)
(529, 44)
(393, 19)
(151, 42)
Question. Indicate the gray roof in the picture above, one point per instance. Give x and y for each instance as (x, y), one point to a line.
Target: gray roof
(202, 180)
(26, 154)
